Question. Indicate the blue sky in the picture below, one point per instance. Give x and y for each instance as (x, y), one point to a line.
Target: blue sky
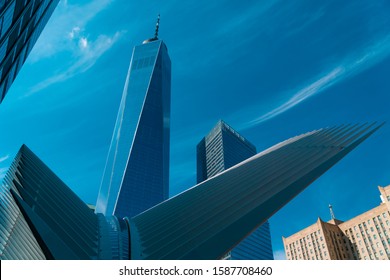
(271, 69)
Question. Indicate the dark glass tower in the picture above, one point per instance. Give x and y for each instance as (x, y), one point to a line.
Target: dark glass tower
(21, 23)
(136, 175)
(221, 149)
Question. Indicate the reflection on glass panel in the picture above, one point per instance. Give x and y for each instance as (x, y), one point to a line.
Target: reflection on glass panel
(3, 50)
(7, 19)
(1, 87)
(18, 31)
(2, 4)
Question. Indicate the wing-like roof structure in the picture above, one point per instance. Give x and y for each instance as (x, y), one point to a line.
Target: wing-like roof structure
(209, 219)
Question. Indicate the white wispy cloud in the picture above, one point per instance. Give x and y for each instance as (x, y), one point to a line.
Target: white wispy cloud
(83, 43)
(351, 66)
(74, 32)
(308, 90)
(65, 28)
(4, 158)
(67, 33)
(86, 58)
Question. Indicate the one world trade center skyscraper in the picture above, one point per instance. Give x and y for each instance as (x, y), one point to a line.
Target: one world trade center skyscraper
(136, 174)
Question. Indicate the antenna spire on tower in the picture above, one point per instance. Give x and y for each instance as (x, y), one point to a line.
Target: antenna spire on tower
(155, 38)
(157, 26)
(331, 212)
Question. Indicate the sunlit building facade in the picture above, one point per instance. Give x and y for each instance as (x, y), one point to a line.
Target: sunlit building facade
(221, 149)
(136, 175)
(21, 23)
(364, 237)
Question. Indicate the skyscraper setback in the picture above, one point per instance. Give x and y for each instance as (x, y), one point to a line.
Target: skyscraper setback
(136, 175)
(221, 149)
(21, 23)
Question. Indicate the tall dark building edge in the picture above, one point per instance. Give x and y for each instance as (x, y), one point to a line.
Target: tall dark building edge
(21, 23)
(136, 174)
(222, 148)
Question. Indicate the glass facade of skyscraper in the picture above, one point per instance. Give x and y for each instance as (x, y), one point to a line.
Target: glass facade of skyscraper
(21, 23)
(136, 175)
(221, 149)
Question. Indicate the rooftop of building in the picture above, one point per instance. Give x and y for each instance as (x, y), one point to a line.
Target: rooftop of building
(220, 125)
(385, 197)
(335, 222)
